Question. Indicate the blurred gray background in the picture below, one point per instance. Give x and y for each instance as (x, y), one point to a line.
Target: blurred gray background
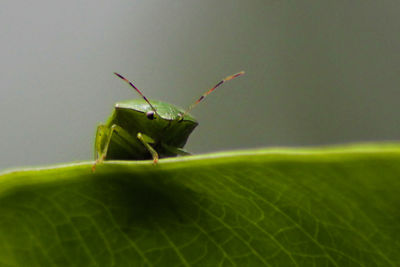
(317, 72)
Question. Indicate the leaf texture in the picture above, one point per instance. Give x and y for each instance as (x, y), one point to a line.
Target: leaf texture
(335, 206)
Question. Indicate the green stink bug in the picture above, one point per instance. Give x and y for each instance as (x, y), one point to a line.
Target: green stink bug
(139, 129)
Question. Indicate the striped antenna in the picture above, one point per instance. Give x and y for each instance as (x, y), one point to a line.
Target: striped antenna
(209, 91)
(137, 90)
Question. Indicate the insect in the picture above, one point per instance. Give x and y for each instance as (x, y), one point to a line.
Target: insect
(141, 129)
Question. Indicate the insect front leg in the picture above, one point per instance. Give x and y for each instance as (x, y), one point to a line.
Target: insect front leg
(99, 144)
(101, 137)
(146, 141)
(104, 136)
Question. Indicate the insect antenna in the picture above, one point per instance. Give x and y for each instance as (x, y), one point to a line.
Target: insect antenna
(137, 90)
(210, 90)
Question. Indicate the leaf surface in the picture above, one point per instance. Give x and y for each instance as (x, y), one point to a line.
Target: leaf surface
(273, 207)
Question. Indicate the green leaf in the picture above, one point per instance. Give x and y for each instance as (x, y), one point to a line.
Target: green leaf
(287, 207)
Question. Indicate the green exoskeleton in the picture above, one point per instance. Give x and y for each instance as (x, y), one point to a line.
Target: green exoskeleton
(139, 129)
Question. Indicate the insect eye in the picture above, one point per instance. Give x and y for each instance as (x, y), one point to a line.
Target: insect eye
(150, 115)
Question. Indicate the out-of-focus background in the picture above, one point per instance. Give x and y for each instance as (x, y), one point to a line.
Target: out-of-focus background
(317, 72)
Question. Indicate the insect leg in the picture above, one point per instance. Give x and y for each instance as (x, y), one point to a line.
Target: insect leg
(103, 139)
(175, 150)
(101, 136)
(146, 140)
